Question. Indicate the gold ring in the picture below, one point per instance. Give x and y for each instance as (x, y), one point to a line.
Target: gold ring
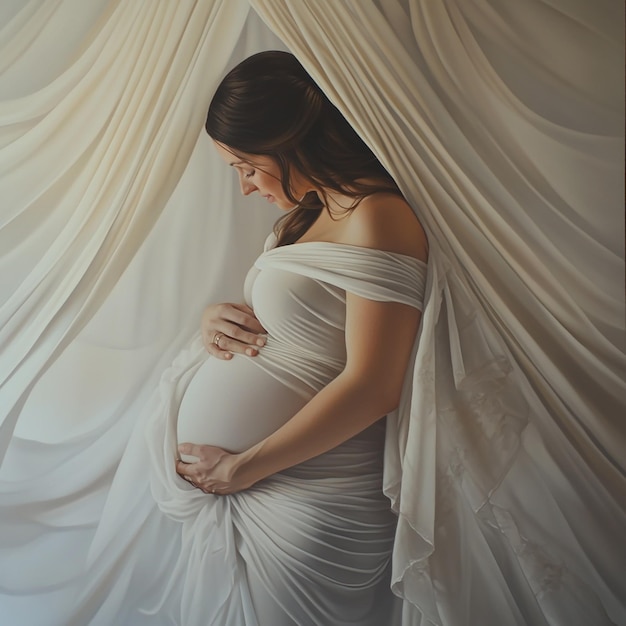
(216, 339)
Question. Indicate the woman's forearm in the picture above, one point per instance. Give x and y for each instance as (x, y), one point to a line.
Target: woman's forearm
(338, 412)
(379, 341)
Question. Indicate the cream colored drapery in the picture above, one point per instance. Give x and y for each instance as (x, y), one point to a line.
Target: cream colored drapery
(513, 171)
(501, 121)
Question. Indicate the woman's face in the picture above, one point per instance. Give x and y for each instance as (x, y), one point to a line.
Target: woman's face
(261, 173)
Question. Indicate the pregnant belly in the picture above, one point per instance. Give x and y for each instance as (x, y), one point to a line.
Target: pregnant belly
(233, 404)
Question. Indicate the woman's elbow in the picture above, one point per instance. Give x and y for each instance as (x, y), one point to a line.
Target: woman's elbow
(376, 391)
(384, 398)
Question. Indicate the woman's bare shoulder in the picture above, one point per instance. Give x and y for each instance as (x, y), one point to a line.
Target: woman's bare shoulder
(386, 222)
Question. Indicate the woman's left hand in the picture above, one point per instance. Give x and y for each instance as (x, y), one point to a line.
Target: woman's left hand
(216, 470)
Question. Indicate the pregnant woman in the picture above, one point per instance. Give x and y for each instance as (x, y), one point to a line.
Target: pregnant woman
(277, 515)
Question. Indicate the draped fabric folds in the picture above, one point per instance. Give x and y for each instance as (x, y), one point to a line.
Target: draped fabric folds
(116, 174)
(510, 190)
(502, 123)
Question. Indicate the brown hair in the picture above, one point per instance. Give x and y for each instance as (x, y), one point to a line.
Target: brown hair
(269, 105)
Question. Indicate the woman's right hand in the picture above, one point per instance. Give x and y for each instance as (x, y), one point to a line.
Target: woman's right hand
(229, 328)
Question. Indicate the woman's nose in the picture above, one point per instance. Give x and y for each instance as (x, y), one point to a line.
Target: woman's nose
(246, 186)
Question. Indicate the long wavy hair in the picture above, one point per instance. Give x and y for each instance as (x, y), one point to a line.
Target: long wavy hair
(269, 105)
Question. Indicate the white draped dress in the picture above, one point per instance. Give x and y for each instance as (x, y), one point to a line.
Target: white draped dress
(310, 545)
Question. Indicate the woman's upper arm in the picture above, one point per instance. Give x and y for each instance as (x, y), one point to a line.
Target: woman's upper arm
(380, 335)
(379, 341)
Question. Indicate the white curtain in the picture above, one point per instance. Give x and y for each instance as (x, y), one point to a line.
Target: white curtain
(502, 122)
(118, 225)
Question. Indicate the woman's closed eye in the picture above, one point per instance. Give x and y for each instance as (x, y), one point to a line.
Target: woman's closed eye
(249, 174)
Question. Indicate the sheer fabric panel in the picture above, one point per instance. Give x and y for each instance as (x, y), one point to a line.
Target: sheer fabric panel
(89, 159)
(118, 225)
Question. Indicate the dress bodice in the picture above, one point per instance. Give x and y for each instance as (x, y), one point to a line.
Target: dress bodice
(298, 294)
